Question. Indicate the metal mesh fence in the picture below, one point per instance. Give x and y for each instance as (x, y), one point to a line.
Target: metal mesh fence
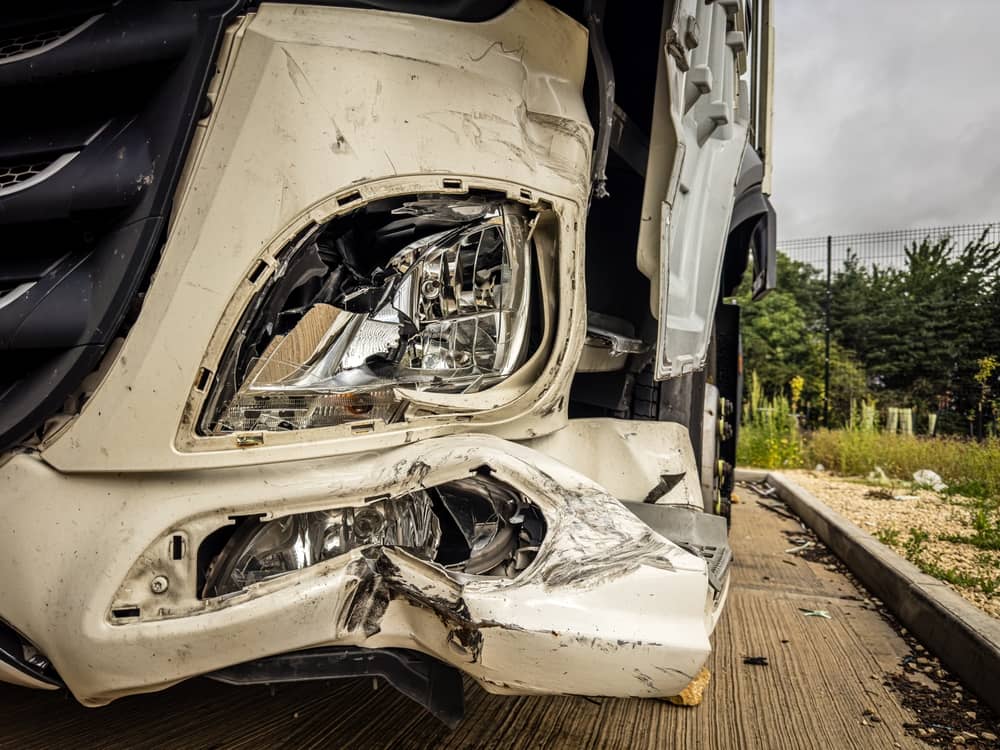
(883, 249)
(928, 358)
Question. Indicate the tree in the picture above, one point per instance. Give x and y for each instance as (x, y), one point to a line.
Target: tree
(783, 338)
(921, 330)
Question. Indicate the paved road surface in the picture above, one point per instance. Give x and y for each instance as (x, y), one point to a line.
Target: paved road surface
(823, 675)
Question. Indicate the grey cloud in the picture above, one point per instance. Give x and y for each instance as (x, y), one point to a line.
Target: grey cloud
(887, 115)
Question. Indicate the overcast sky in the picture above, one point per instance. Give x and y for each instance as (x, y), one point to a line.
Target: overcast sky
(887, 114)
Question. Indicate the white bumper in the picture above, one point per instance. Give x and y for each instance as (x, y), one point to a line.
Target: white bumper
(609, 607)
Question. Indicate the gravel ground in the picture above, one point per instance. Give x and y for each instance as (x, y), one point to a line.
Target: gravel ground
(876, 509)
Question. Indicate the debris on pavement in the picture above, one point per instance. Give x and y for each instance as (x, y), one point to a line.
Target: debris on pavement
(880, 493)
(756, 661)
(870, 717)
(878, 476)
(805, 544)
(946, 521)
(815, 613)
(694, 692)
(928, 478)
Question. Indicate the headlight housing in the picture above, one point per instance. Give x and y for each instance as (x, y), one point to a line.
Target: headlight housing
(474, 526)
(259, 551)
(427, 293)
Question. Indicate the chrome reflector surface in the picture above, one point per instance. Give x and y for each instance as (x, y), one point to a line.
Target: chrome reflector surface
(448, 312)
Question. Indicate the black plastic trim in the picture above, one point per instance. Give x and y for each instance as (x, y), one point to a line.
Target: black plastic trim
(12, 654)
(139, 75)
(421, 678)
(753, 225)
(451, 10)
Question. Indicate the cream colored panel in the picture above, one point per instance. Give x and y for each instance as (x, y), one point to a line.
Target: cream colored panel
(14, 676)
(319, 102)
(634, 460)
(605, 598)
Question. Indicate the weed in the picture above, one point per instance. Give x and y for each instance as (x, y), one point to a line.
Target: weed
(769, 436)
(969, 488)
(913, 548)
(968, 468)
(984, 519)
(989, 585)
(888, 537)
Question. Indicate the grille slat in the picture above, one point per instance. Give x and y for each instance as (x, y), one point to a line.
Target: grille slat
(31, 41)
(92, 102)
(17, 173)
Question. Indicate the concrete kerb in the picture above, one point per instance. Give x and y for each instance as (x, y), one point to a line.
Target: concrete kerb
(964, 638)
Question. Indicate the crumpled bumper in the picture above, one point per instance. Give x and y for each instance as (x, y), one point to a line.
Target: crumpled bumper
(608, 607)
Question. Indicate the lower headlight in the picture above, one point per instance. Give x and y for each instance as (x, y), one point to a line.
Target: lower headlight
(429, 293)
(261, 551)
(475, 526)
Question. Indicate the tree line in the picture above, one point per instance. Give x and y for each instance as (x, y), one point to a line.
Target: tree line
(925, 335)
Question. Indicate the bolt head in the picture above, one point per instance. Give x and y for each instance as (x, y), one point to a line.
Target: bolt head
(159, 584)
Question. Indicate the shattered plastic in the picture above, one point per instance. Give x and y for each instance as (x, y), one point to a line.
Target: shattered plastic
(603, 605)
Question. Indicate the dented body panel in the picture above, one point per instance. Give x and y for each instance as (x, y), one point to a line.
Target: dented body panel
(607, 607)
(380, 123)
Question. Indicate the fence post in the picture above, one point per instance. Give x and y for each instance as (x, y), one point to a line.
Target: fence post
(906, 421)
(826, 358)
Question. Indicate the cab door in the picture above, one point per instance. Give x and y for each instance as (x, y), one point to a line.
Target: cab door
(705, 115)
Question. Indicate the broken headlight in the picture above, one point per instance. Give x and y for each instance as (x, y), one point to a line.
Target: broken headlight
(478, 526)
(427, 293)
(259, 551)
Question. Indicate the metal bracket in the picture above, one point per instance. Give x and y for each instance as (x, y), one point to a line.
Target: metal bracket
(594, 10)
(618, 334)
(629, 142)
(702, 534)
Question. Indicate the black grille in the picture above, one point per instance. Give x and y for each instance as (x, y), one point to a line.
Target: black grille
(119, 93)
(33, 38)
(14, 174)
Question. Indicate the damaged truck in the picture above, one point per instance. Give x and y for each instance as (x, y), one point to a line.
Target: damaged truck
(374, 337)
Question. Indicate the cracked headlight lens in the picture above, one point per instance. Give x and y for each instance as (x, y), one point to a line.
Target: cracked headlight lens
(340, 330)
(476, 526)
(258, 552)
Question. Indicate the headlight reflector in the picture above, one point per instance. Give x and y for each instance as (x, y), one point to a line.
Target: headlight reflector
(476, 526)
(262, 551)
(340, 330)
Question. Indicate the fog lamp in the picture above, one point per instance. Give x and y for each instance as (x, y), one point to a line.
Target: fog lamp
(472, 526)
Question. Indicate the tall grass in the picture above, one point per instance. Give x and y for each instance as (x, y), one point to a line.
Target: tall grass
(770, 439)
(969, 467)
(769, 435)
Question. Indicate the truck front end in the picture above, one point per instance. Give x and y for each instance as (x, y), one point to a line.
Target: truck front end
(376, 340)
